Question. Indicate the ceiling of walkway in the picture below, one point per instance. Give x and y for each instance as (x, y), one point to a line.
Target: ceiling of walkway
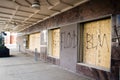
(16, 15)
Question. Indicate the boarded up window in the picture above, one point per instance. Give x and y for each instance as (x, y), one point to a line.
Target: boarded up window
(97, 43)
(27, 41)
(54, 43)
(34, 42)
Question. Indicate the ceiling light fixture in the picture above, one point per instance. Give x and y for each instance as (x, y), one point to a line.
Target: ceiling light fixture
(36, 4)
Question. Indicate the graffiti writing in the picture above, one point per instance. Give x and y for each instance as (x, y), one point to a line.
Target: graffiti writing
(92, 38)
(68, 39)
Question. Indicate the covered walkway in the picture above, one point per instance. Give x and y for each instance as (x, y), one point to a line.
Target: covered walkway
(80, 37)
(24, 67)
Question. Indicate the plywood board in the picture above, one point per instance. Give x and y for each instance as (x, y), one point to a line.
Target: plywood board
(34, 42)
(97, 43)
(56, 43)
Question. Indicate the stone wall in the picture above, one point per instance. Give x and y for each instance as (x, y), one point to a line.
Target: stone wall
(68, 51)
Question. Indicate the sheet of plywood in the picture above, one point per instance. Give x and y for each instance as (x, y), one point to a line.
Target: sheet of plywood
(34, 41)
(31, 42)
(97, 43)
(56, 43)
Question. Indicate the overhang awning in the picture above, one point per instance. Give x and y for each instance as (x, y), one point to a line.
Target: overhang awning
(16, 15)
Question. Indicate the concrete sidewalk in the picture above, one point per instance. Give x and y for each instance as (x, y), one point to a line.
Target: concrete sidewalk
(20, 67)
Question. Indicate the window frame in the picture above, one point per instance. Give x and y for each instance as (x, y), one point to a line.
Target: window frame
(80, 29)
(29, 41)
(50, 43)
